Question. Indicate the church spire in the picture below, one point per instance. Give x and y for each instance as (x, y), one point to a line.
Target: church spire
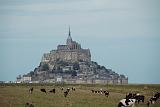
(69, 39)
(69, 32)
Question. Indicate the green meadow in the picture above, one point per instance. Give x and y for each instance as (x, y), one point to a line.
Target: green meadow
(17, 95)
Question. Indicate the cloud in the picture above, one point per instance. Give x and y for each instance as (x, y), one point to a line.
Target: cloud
(107, 18)
(62, 7)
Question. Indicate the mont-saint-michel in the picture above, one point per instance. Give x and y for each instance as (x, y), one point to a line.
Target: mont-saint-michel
(72, 64)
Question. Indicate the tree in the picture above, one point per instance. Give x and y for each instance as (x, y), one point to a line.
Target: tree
(103, 67)
(45, 67)
(31, 73)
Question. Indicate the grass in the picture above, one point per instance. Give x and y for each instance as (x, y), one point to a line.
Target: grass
(16, 95)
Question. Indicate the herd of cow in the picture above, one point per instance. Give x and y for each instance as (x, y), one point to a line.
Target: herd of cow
(105, 92)
(132, 98)
(128, 101)
(50, 91)
(54, 90)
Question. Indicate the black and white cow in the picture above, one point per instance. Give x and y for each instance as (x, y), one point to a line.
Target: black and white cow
(153, 99)
(66, 93)
(127, 103)
(106, 93)
(139, 98)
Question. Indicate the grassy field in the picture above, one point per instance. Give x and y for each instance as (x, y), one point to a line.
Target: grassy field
(16, 95)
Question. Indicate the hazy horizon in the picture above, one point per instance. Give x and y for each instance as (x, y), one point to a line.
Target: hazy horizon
(122, 35)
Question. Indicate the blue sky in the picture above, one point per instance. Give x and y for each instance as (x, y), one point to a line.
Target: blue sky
(123, 35)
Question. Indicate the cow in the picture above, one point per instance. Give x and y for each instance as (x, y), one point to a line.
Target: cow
(53, 91)
(153, 99)
(65, 93)
(106, 93)
(127, 103)
(31, 90)
(139, 98)
(43, 90)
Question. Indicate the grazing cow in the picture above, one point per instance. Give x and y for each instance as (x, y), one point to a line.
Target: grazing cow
(53, 91)
(127, 103)
(43, 90)
(62, 88)
(151, 101)
(154, 98)
(31, 90)
(139, 98)
(106, 93)
(65, 93)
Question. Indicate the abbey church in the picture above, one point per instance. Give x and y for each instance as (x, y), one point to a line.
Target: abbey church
(71, 52)
(71, 64)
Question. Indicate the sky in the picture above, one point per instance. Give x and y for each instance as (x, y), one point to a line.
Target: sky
(122, 35)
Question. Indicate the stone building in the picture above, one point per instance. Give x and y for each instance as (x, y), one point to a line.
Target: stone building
(23, 79)
(71, 52)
